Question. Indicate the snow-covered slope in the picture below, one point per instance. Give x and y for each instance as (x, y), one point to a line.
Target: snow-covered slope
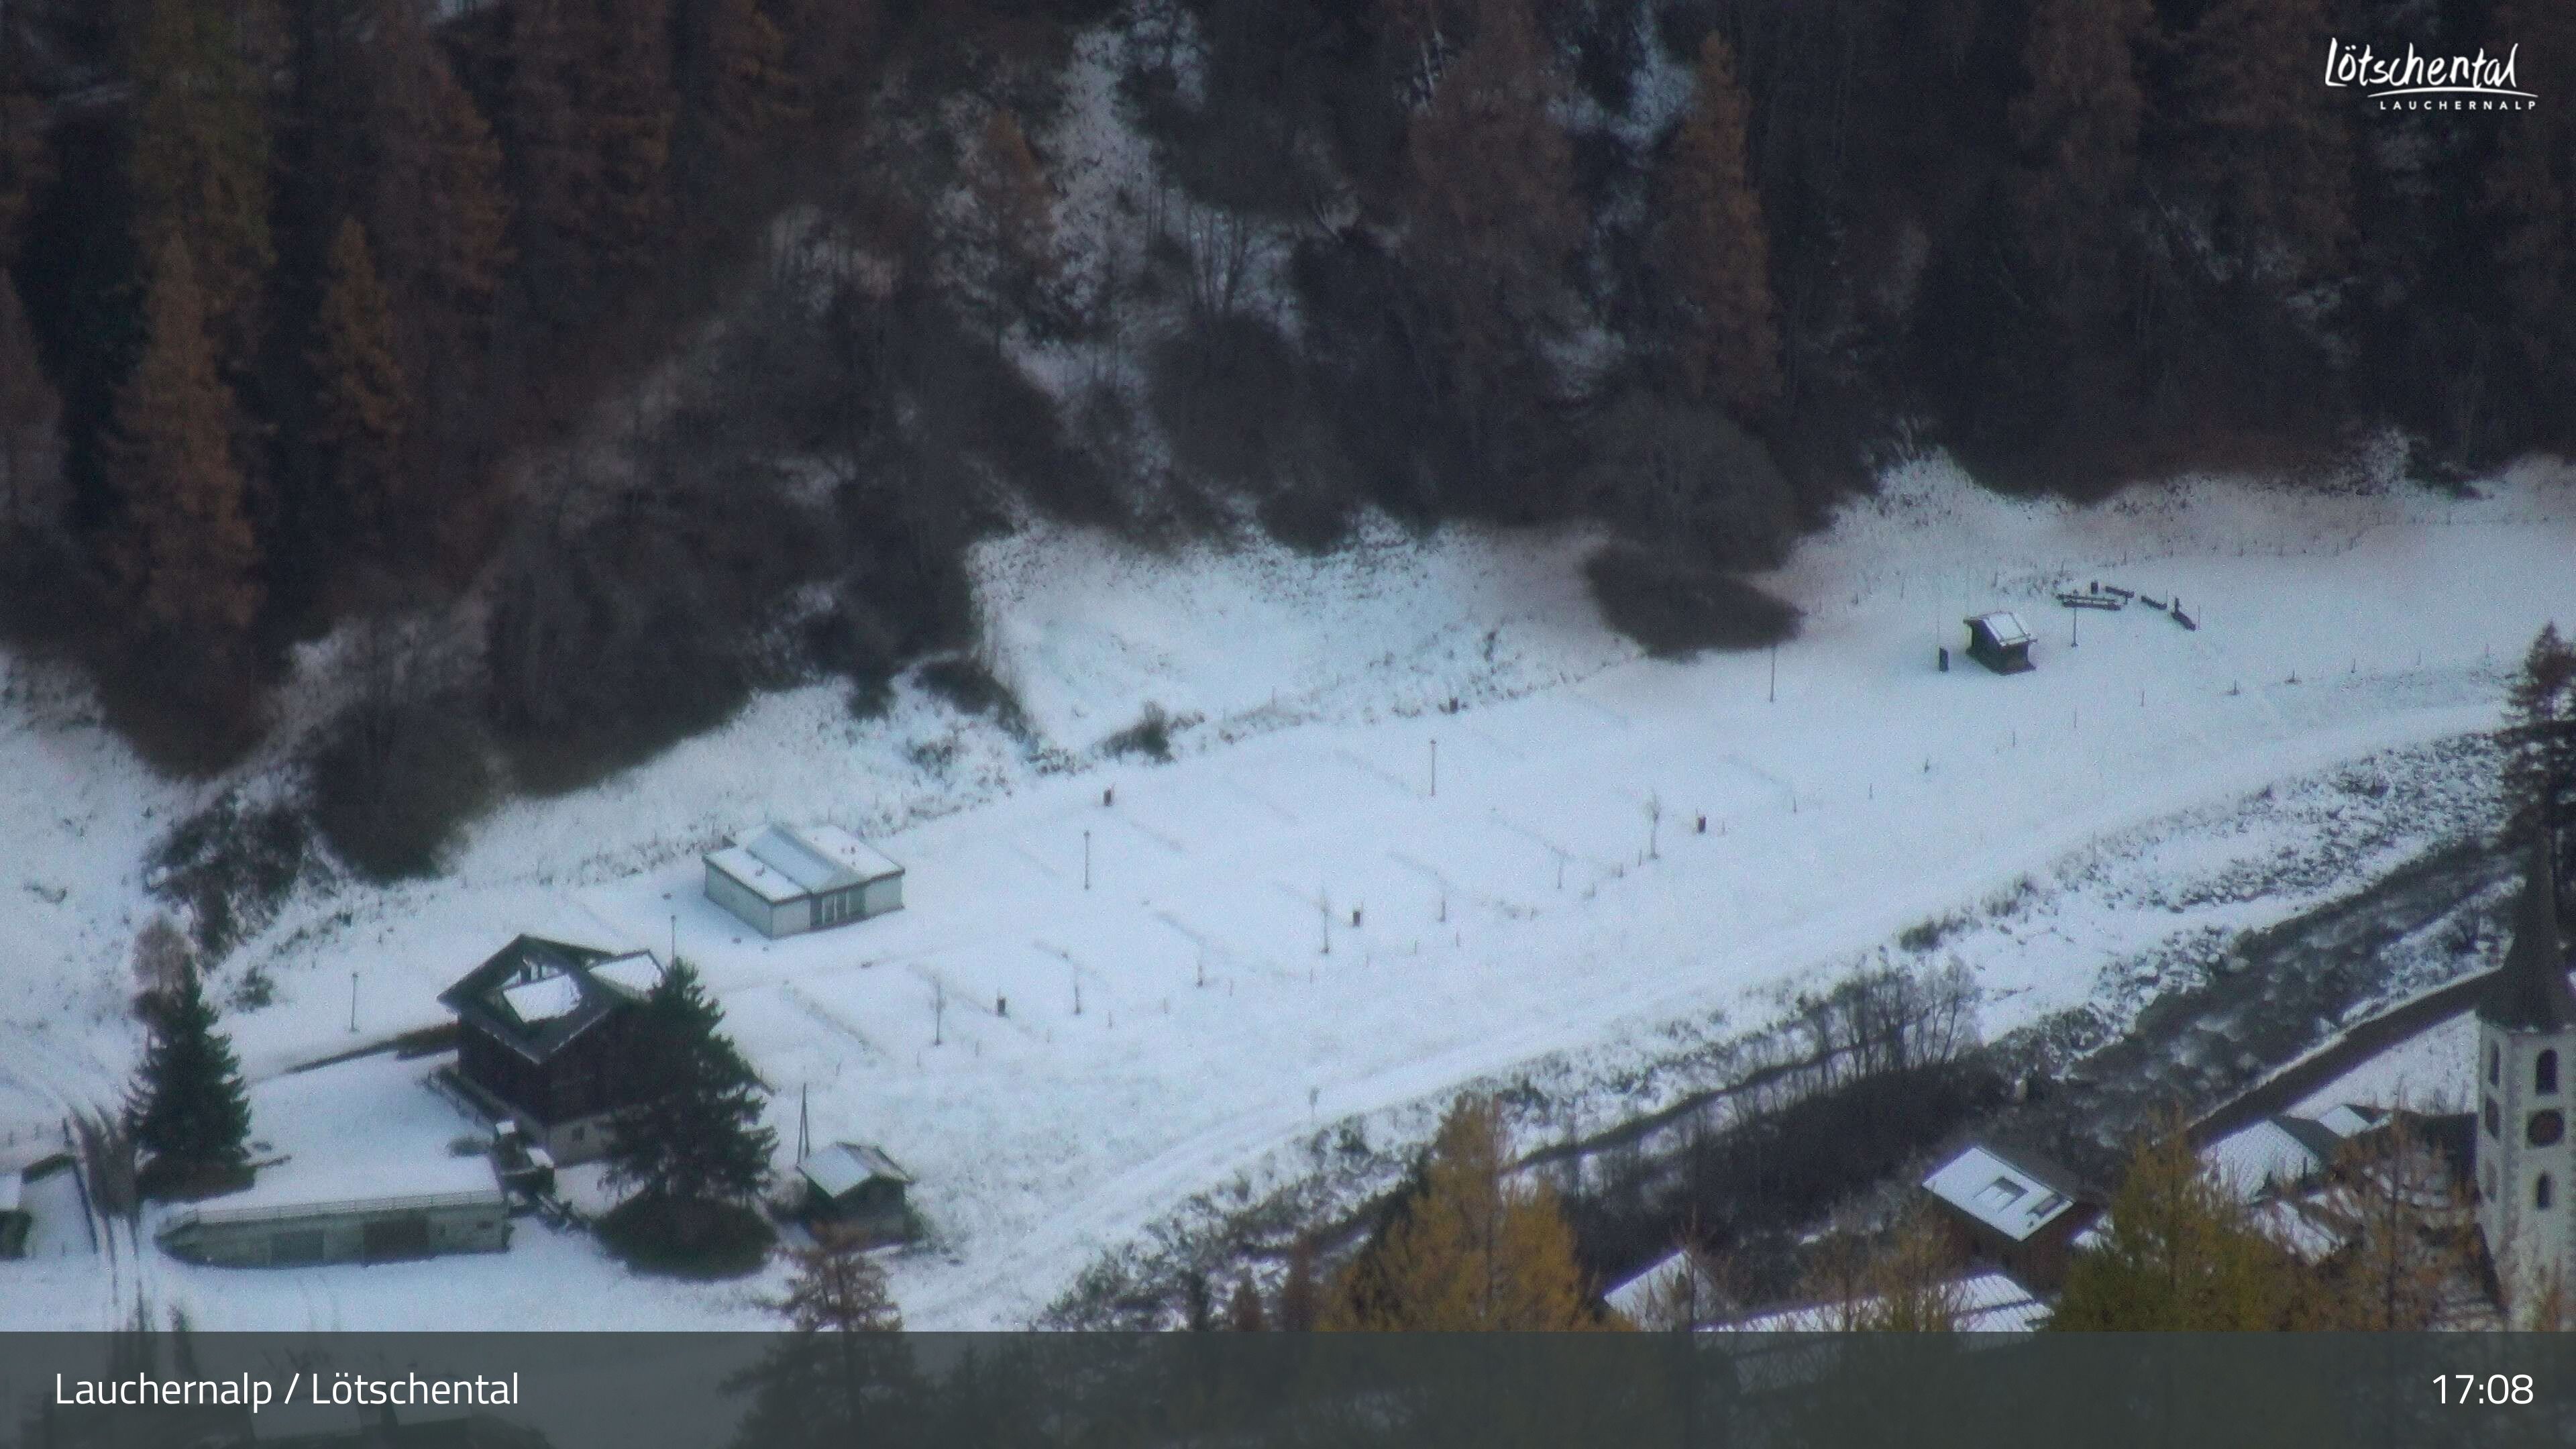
(1532, 906)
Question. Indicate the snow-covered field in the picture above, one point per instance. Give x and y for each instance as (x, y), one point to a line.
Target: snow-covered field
(1230, 1005)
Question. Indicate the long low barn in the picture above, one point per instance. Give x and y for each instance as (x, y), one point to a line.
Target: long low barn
(449, 1205)
(785, 881)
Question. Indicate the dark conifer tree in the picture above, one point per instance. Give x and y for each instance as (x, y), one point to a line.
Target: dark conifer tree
(188, 1109)
(2078, 129)
(697, 1141)
(1712, 243)
(363, 406)
(185, 550)
(30, 411)
(2540, 747)
(201, 156)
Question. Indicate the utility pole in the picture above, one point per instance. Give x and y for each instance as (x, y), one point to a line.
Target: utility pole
(1775, 674)
(1086, 860)
(1435, 768)
(353, 1001)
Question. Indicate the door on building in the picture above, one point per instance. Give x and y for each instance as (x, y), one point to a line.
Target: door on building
(405, 1236)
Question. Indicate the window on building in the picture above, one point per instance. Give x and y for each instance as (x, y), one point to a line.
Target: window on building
(2495, 1065)
(2545, 1129)
(2494, 1120)
(2544, 1073)
(2541, 1193)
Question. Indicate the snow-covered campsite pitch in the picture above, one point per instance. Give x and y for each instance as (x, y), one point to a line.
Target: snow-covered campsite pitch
(1118, 984)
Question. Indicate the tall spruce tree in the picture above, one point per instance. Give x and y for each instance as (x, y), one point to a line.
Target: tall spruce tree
(1472, 1249)
(593, 99)
(184, 547)
(363, 408)
(630, 101)
(437, 214)
(2272, 166)
(1493, 221)
(2078, 129)
(30, 412)
(1711, 243)
(740, 86)
(200, 158)
(2540, 747)
(697, 1140)
(188, 1108)
(26, 157)
(554, 170)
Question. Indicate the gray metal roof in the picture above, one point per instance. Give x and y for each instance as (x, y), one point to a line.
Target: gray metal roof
(779, 863)
(2530, 991)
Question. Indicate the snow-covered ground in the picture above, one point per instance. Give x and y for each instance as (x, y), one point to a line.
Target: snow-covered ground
(2435, 1070)
(1531, 907)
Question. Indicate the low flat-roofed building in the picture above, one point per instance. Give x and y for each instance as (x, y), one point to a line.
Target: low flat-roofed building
(784, 881)
(376, 1213)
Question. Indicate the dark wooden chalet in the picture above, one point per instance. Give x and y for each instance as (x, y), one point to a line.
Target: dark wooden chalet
(546, 1040)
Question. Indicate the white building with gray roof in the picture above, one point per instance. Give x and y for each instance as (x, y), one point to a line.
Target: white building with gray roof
(785, 880)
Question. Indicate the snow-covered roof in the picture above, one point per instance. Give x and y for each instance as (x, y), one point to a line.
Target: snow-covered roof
(2280, 1151)
(638, 973)
(12, 1189)
(780, 863)
(1637, 1294)
(845, 1165)
(2295, 1226)
(537, 994)
(1989, 1302)
(382, 1186)
(2015, 1199)
(2264, 1156)
(543, 999)
(2004, 625)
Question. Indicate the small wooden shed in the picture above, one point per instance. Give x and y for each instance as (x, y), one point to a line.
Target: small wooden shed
(1999, 642)
(854, 1185)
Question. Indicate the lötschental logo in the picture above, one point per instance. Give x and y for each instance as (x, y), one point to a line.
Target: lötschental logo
(2479, 82)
